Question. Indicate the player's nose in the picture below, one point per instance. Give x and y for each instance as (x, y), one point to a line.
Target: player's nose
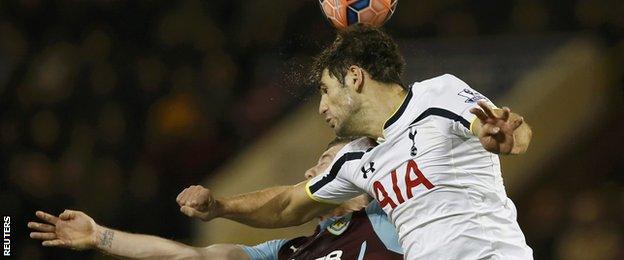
(322, 106)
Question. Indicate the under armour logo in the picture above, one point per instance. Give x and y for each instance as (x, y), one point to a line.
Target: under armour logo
(293, 248)
(412, 135)
(370, 169)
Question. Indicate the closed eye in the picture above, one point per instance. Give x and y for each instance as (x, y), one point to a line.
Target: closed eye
(323, 89)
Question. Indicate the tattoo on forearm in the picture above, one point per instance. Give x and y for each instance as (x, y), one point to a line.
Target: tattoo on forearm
(106, 238)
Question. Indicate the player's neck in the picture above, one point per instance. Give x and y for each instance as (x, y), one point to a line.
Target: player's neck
(382, 102)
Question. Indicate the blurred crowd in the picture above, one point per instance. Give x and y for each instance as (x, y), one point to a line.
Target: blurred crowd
(113, 107)
(575, 210)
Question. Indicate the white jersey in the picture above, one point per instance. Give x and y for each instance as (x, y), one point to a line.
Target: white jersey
(442, 190)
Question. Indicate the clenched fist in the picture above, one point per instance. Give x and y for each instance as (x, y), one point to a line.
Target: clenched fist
(197, 202)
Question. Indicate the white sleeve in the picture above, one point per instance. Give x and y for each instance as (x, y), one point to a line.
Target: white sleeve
(334, 185)
(459, 98)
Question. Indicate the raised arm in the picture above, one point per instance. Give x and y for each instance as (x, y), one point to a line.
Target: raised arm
(76, 230)
(198, 202)
(501, 131)
(275, 207)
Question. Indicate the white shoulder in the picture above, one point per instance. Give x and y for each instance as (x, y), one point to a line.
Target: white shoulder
(358, 145)
(445, 88)
(441, 84)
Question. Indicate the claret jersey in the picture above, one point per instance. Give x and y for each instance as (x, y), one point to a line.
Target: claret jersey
(440, 188)
(364, 234)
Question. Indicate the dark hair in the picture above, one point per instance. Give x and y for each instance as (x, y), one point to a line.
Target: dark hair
(340, 140)
(365, 46)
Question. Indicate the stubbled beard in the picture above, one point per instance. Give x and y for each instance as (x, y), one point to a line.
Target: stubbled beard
(343, 130)
(348, 126)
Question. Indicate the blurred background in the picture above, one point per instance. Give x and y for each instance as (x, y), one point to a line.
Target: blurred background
(113, 107)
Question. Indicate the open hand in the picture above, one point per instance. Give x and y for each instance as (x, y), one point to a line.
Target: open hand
(197, 202)
(71, 229)
(496, 133)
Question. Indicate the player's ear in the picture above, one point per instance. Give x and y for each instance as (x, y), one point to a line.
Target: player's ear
(355, 78)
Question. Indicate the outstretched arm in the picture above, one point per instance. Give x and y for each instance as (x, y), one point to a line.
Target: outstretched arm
(501, 131)
(198, 202)
(265, 209)
(76, 230)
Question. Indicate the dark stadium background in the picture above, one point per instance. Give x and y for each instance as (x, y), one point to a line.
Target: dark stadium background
(113, 107)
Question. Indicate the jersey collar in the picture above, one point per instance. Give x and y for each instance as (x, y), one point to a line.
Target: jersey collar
(398, 113)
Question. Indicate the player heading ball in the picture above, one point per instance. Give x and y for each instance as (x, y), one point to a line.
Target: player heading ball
(428, 153)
